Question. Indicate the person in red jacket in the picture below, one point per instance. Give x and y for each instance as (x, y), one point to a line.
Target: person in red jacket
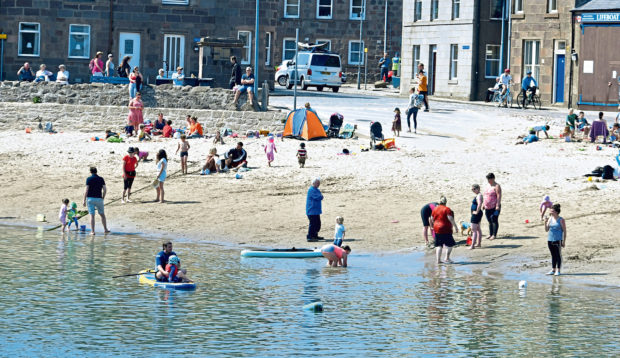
(173, 270)
(442, 221)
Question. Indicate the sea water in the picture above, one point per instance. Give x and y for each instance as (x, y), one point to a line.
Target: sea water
(59, 299)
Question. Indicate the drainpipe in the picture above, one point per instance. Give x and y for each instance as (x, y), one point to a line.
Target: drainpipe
(501, 48)
(385, 29)
(509, 33)
(111, 26)
(572, 49)
(256, 41)
(473, 92)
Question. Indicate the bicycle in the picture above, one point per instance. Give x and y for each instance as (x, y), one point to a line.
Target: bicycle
(533, 100)
(505, 99)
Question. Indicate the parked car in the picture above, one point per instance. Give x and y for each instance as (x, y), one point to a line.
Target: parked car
(316, 68)
(280, 76)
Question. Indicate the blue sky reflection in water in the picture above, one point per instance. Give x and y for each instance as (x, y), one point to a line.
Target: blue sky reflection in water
(62, 301)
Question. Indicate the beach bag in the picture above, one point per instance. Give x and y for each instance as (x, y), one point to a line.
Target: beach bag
(608, 172)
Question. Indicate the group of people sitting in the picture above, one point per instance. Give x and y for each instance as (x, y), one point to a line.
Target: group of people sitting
(25, 73)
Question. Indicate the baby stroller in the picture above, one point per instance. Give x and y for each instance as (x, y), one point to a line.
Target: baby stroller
(376, 134)
(335, 123)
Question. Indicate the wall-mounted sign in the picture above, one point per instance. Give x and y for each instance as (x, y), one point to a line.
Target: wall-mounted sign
(605, 17)
(2, 36)
(465, 47)
(588, 66)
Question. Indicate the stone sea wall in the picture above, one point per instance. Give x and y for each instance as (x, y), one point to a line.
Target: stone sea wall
(96, 119)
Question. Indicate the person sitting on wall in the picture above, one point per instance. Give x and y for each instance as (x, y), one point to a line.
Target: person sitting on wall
(234, 158)
(161, 74)
(43, 74)
(177, 78)
(62, 77)
(247, 85)
(25, 73)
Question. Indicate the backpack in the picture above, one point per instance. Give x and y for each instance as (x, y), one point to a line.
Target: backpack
(418, 101)
(91, 65)
(121, 71)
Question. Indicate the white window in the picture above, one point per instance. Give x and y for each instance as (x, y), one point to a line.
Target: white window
(327, 47)
(416, 60)
(29, 39)
(456, 9)
(267, 48)
(417, 10)
(174, 53)
(288, 49)
(291, 8)
(79, 41)
(552, 6)
(454, 61)
(496, 9)
(356, 53)
(246, 37)
(491, 67)
(357, 10)
(531, 58)
(175, 2)
(434, 9)
(518, 7)
(324, 9)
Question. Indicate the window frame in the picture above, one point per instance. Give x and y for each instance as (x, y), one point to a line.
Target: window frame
(86, 43)
(331, 9)
(434, 10)
(361, 53)
(175, 2)
(268, 39)
(517, 9)
(489, 60)
(491, 3)
(454, 62)
(36, 45)
(551, 3)
(534, 67)
(284, 40)
(456, 9)
(417, 10)
(318, 41)
(287, 5)
(247, 49)
(362, 10)
(415, 50)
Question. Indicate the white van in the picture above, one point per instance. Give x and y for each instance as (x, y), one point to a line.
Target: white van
(318, 69)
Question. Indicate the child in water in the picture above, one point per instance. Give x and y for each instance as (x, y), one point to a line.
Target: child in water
(546, 204)
(339, 231)
(62, 215)
(184, 148)
(396, 125)
(270, 148)
(302, 155)
(72, 217)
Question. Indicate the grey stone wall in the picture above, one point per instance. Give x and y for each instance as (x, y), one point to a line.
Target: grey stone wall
(96, 118)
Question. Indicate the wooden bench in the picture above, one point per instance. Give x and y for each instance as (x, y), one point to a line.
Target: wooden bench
(112, 80)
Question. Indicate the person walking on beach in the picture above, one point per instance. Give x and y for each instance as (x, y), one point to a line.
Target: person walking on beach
(130, 163)
(93, 199)
(426, 212)
(162, 167)
(314, 211)
(384, 64)
(412, 109)
(492, 205)
(476, 217)
(442, 220)
(423, 87)
(135, 117)
(556, 240)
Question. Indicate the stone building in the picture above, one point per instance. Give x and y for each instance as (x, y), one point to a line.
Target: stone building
(163, 33)
(458, 41)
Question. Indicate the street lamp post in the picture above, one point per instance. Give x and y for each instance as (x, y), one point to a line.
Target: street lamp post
(361, 47)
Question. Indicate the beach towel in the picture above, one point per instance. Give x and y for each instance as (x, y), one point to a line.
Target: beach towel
(347, 131)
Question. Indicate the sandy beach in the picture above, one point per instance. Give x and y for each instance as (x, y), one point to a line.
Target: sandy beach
(379, 193)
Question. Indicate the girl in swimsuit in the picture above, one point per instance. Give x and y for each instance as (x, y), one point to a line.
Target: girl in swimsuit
(476, 217)
(336, 256)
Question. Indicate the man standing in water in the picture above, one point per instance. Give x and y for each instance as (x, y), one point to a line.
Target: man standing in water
(314, 211)
(93, 199)
(442, 220)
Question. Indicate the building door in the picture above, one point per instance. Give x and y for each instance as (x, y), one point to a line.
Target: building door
(174, 53)
(432, 65)
(559, 79)
(129, 45)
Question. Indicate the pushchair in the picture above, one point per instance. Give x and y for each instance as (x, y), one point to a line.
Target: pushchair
(376, 134)
(335, 123)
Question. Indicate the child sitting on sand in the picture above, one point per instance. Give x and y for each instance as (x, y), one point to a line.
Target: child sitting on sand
(270, 148)
(218, 138)
(211, 165)
(167, 131)
(339, 231)
(546, 204)
(615, 132)
(184, 148)
(302, 155)
(567, 134)
(62, 215)
(143, 135)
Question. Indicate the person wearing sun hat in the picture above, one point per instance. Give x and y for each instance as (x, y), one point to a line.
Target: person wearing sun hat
(96, 65)
(177, 77)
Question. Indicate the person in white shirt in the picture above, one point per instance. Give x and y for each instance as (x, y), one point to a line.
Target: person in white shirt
(177, 78)
(505, 79)
(62, 76)
(42, 74)
(161, 74)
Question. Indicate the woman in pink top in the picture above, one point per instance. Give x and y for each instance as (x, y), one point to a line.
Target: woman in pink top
(135, 112)
(96, 65)
(492, 205)
(336, 256)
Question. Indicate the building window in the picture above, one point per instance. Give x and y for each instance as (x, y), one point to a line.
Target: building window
(356, 53)
(356, 10)
(518, 7)
(323, 9)
(288, 49)
(175, 2)
(267, 48)
(454, 61)
(496, 9)
(79, 41)
(29, 37)
(456, 9)
(491, 61)
(531, 58)
(416, 60)
(417, 10)
(328, 46)
(552, 6)
(291, 8)
(434, 9)
(246, 37)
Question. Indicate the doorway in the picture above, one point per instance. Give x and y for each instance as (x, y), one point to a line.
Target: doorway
(431, 68)
(558, 74)
(174, 53)
(129, 45)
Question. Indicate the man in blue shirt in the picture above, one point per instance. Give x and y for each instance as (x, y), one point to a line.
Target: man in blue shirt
(247, 85)
(314, 211)
(528, 83)
(178, 77)
(161, 260)
(384, 63)
(93, 199)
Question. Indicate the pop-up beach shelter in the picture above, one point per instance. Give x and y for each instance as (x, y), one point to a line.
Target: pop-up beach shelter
(304, 123)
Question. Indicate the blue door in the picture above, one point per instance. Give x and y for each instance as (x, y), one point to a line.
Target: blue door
(559, 79)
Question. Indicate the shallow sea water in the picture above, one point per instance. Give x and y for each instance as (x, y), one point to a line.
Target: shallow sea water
(60, 300)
